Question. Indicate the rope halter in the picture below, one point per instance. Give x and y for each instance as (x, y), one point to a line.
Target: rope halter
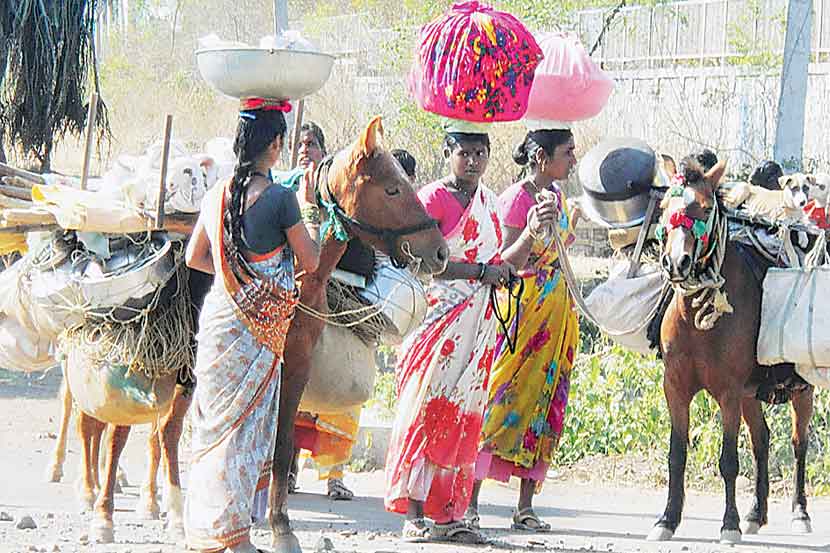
(705, 281)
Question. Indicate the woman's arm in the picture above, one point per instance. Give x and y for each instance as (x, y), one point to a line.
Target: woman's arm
(198, 255)
(304, 247)
(492, 274)
(518, 243)
(576, 215)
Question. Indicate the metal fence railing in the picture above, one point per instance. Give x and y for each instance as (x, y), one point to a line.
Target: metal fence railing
(696, 31)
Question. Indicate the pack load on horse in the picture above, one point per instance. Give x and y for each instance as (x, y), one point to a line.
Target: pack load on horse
(621, 179)
(105, 293)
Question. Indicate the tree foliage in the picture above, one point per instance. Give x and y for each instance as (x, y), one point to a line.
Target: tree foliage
(48, 53)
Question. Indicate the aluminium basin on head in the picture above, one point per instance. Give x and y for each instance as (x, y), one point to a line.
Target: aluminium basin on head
(280, 74)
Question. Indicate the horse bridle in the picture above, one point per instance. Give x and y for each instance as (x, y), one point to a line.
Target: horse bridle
(705, 244)
(388, 236)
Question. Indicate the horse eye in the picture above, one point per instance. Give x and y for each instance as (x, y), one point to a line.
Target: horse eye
(392, 191)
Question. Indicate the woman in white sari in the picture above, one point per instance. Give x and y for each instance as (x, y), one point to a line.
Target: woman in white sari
(248, 233)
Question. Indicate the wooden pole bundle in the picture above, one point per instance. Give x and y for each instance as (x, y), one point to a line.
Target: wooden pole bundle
(92, 114)
(165, 155)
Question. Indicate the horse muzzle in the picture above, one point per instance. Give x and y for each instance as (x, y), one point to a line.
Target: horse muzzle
(677, 268)
(436, 263)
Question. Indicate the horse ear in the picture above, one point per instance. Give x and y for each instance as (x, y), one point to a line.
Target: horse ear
(370, 139)
(715, 174)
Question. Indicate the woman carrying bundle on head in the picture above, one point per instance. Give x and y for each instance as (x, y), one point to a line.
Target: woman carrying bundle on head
(528, 388)
(248, 233)
(442, 374)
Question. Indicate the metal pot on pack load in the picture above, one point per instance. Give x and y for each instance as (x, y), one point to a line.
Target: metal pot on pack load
(68, 283)
(617, 175)
(400, 297)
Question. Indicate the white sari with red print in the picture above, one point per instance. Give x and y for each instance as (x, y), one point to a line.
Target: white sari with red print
(442, 379)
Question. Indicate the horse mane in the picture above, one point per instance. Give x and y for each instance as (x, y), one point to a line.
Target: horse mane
(692, 170)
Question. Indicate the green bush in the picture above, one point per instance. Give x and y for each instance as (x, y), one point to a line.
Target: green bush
(617, 408)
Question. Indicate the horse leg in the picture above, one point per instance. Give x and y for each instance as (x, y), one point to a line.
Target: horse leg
(759, 434)
(101, 526)
(88, 428)
(679, 412)
(171, 432)
(284, 540)
(802, 412)
(97, 438)
(148, 506)
(54, 472)
(730, 408)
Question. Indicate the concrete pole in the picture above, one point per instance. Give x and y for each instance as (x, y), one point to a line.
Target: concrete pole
(789, 134)
(280, 16)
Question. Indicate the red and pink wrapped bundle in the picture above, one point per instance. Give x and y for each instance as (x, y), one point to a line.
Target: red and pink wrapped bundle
(476, 64)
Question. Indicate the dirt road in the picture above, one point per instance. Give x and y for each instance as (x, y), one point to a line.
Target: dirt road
(584, 518)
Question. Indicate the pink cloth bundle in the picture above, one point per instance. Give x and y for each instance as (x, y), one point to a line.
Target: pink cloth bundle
(476, 64)
(568, 85)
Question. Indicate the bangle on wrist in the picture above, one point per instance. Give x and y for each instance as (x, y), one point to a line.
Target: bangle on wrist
(310, 214)
(482, 268)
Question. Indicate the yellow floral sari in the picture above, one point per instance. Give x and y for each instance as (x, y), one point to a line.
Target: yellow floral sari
(528, 390)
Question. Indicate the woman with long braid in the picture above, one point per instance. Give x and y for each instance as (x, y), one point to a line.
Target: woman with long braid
(248, 233)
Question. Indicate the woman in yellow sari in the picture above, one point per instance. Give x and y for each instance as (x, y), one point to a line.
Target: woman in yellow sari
(248, 233)
(528, 389)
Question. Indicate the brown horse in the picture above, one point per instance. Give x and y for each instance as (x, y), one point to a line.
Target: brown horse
(708, 341)
(372, 198)
(163, 444)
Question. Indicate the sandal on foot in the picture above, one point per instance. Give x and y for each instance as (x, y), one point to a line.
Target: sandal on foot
(472, 520)
(527, 521)
(338, 490)
(415, 531)
(457, 532)
(292, 483)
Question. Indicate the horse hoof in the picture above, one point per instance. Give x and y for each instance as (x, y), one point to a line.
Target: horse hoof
(660, 533)
(85, 504)
(121, 479)
(801, 526)
(175, 532)
(149, 512)
(54, 473)
(751, 527)
(729, 537)
(101, 531)
(286, 543)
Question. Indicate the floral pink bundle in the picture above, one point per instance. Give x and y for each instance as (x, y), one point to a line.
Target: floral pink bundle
(476, 64)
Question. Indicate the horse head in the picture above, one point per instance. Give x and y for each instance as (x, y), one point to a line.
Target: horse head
(363, 191)
(686, 226)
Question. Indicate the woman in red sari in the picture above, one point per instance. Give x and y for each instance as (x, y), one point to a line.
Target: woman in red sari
(442, 376)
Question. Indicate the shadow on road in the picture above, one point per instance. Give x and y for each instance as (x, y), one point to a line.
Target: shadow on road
(34, 385)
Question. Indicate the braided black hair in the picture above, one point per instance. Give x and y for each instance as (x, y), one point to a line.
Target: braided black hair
(317, 132)
(256, 131)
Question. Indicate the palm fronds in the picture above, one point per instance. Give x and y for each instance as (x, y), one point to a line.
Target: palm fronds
(48, 64)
